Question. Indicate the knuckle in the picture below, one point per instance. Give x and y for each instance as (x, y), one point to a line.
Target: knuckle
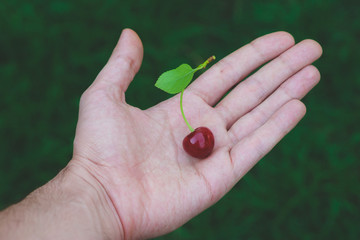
(115, 94)
(257, 87)
(259, 117)
(260, 148)
(285, 61)
(127, 63)
(255, 45)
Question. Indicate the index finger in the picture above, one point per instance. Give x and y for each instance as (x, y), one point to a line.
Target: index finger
(221, 77)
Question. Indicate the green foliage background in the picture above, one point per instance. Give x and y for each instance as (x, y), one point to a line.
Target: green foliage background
(308, 187)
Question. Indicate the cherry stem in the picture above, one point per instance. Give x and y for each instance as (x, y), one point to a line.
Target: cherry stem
(182, 112)
(201, 66)
(210, 59)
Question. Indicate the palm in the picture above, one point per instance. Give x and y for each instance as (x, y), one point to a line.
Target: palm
(138, 156)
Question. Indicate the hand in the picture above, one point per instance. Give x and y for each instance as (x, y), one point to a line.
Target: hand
(137, 157)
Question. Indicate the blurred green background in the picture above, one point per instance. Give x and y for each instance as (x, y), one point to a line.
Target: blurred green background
(308, 187)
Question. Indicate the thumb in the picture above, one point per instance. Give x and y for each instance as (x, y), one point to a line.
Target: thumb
(124, 63)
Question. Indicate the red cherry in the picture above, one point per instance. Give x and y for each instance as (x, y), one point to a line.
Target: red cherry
(199, 143)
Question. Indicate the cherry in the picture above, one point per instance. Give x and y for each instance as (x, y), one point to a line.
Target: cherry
(199, 143)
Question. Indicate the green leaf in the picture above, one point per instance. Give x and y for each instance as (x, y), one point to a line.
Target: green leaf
(176, 80)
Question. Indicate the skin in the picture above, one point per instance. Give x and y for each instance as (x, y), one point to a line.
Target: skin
(130, 178)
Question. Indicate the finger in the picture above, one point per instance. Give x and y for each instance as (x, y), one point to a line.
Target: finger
(124, 63)
(248, 151)
(221, 77)
(258, 86)
(296, 87)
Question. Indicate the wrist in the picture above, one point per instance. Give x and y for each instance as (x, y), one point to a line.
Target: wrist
(86, 192)
(73, 205)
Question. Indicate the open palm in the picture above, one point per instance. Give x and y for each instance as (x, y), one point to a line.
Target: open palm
(137, 156)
